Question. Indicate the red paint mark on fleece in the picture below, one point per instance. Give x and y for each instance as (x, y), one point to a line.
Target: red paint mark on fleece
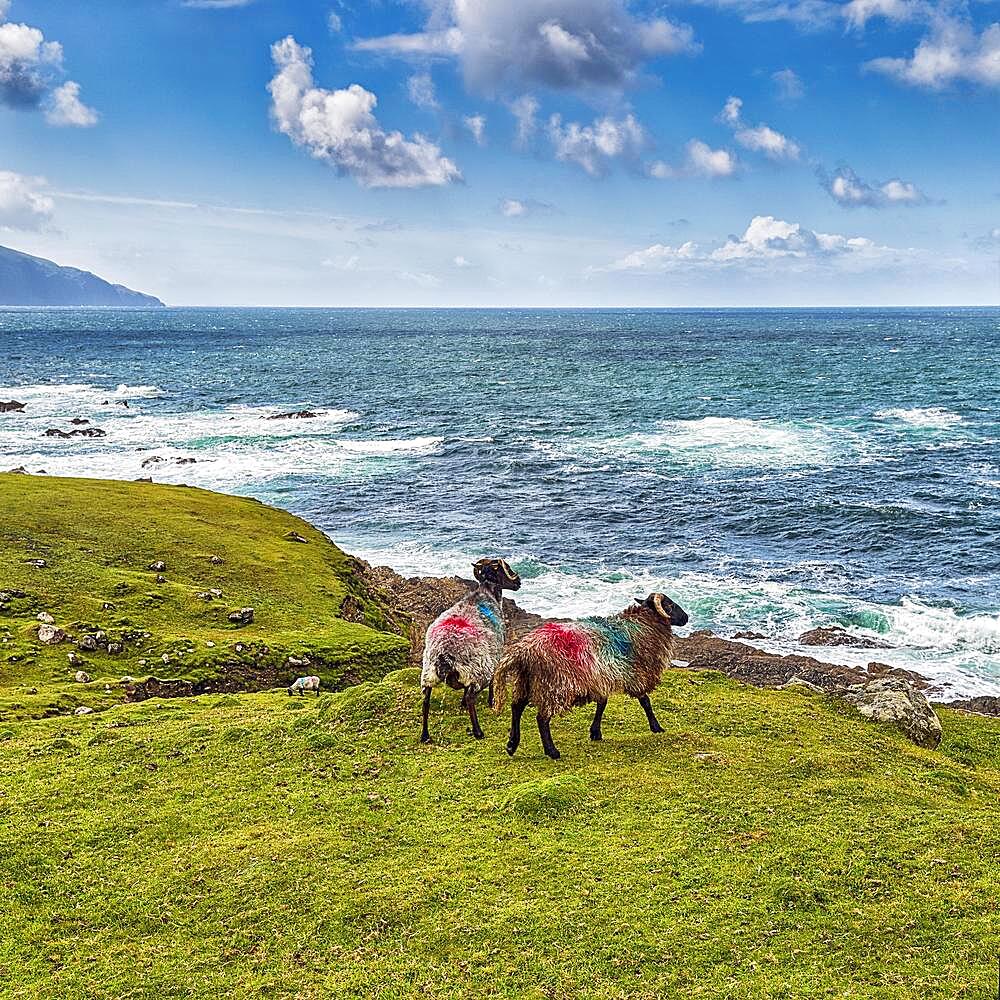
(566, 641)
(456, 625)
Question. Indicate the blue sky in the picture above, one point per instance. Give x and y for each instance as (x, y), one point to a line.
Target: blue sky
(503, 152)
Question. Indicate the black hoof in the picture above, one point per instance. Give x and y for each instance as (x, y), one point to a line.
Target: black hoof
(596, 737)
(424, 738)
(656, 729)
(511, 749)
(554, 754)
(478, 735)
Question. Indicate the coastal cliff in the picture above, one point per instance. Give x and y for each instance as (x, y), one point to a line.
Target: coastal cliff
(35, 281)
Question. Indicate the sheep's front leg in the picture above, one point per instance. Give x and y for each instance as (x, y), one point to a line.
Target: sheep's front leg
(595, 726)
(490, 695)
(546, 735)
(654, 725)
(425, 736)
(516, 711)
(469, 699)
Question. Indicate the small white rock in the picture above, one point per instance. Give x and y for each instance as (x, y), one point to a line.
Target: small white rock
(46, 618)
(210, 644)
(82, 710)
(81, 677)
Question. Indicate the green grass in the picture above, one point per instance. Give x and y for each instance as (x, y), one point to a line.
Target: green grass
(99, 539)
(768, 844)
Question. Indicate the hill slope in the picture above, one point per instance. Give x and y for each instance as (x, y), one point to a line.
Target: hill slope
(766, 845)
(769, 844)
(34, 281)
(98, 541)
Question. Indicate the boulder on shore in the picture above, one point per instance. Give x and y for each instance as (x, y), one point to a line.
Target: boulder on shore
(895, 701)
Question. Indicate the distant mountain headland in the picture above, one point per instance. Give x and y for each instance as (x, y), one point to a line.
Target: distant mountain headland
(34, 281)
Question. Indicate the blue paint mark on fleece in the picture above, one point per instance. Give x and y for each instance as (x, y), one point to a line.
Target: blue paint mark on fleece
(489, 614)
(616, 639)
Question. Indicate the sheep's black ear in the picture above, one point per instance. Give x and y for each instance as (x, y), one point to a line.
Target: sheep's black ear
(641, 600)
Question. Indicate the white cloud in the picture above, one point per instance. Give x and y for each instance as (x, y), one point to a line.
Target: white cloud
(421, 278)
(766, 240)
(858, 13)
(848, 189)
(594, 147)
(757, 138)
(707, 162)
(420, 89)
(517, 208)
(952, 53)
(513, 208)
(790, 86)
(700, 160)
(476, 124)
(217, 4)
(27, 62)
(23, 203)
(463, 262)
(338, 127)
(808, 15)
(524, 109)
(66, 108)
(555, 43)
(334, 22)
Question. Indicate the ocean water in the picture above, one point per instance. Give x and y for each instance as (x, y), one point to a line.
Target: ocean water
(770, 470)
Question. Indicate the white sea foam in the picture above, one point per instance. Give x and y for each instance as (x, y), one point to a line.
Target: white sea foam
(929, 417)
(405, 446)
(734, 442)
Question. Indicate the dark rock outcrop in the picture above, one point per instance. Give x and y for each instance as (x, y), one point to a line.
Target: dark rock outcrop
(11, 406)
(834, 635)
(293, 415)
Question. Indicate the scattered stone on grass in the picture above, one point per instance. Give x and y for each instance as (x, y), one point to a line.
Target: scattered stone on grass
(50, 635)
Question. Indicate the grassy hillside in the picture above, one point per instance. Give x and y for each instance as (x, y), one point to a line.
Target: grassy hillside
(98, 540)
(768, 844)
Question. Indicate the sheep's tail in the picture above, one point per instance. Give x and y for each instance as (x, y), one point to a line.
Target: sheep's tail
(510, 682)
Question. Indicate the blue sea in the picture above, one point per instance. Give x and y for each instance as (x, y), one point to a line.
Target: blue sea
(770, 470)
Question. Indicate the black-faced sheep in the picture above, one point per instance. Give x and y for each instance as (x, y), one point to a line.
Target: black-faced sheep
(463, 644)
(561, 665)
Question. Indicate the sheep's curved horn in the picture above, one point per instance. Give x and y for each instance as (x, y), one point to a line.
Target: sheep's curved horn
(659, 608)
(506, 568)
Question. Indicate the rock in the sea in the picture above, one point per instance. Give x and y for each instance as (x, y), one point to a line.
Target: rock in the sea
(81, 677)
(11, 406)
(834, 635)
(19, 471)
(152, 460)
(294, 536)
(749, 635)
(186, 461)
(45, 618)
(895, 701)
(90, 432)
(79, 421)
(49, 635)
(293, 415)
(242, 617)
(158, 567)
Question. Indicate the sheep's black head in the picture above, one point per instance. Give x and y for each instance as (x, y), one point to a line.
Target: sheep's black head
(496, 573)
(665, 608)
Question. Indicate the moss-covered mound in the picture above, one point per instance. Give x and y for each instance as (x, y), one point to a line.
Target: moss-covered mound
(766, 845)
(87, 554)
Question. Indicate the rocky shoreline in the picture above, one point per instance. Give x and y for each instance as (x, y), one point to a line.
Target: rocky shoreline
(421, 599)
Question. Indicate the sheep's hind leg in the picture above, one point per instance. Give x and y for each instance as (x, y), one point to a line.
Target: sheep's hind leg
(595, 726)
(425, 736)
(654, 725)
(469, 700)
(516, 711)
(546, 735)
